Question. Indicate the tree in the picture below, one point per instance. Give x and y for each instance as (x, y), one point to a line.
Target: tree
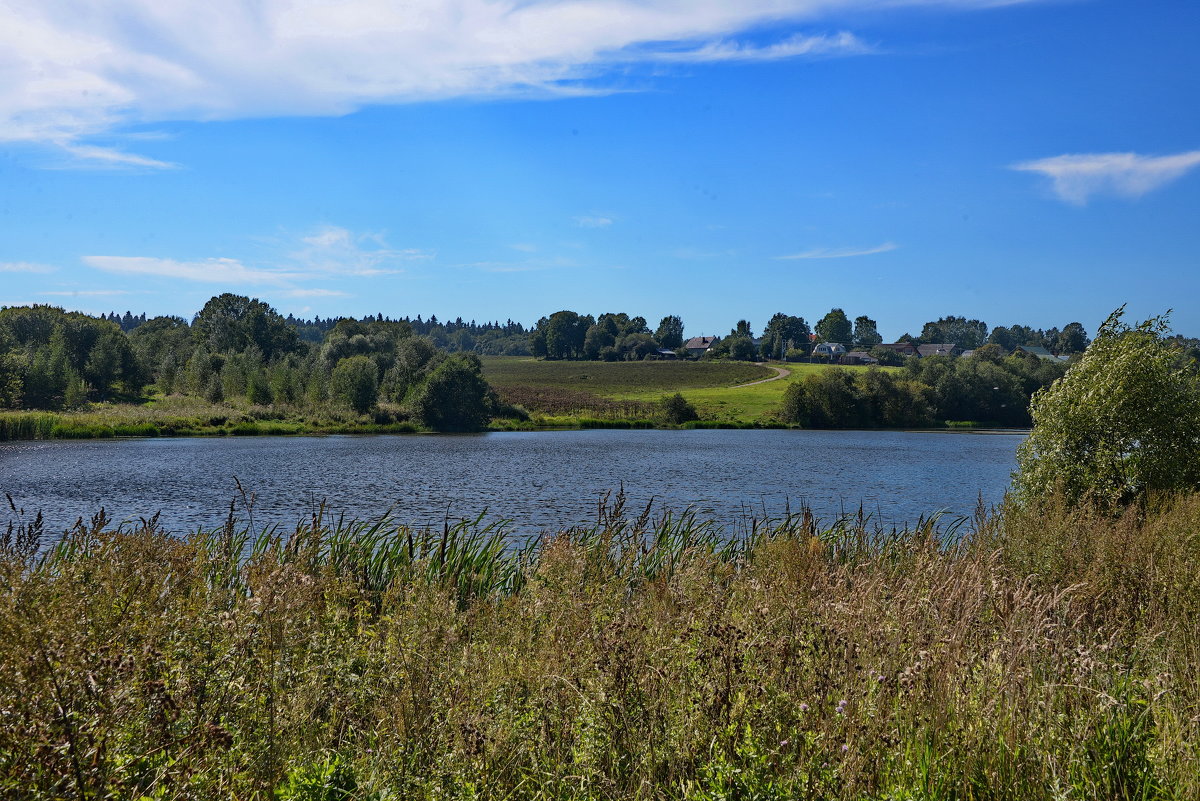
(670, 332)
(741, 348)
(232, 323)
(1072, 339)
(455, 397)
(564, 333)
(967, 334)
(1123, 421)
(835, 327)
(355, 382)
(783, 333)
(866, 332)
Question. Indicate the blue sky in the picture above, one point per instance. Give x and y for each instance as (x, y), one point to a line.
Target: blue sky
(1023, 162)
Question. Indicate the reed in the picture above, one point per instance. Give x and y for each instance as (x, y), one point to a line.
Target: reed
(1030, 653)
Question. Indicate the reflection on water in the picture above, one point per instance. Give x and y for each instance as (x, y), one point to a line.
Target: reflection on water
(538, 480)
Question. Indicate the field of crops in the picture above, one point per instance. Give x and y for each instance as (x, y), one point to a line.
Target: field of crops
(611, 379)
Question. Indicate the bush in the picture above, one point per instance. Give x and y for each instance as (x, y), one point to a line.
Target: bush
(455, 397)
(677, 410)
(1123, 421)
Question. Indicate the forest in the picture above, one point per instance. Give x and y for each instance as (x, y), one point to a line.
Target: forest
(239, 346)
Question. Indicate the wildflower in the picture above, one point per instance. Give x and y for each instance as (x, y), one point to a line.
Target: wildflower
(845, 748)
(804, 707)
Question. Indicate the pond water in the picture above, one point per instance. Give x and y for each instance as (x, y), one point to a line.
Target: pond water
(537, 480)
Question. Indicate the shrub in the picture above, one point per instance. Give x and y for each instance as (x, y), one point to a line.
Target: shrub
(677, 410)
(1123, 421)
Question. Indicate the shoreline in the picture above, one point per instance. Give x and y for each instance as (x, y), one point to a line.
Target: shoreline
(44, 426)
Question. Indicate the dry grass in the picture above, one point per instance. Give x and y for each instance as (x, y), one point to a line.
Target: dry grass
(1049, 654)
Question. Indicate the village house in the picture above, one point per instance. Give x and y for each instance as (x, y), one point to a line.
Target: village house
(903, 348)
(939, 349)
(858, 357)
(829, 350)
(698, 346)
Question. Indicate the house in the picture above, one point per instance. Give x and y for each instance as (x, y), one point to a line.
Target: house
(858, 357)
(698, 346)
(903, 348)
(666, 353)
(1035, 350)
(829, 350)
(938, 349)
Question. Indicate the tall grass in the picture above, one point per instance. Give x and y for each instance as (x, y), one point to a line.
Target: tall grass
(1044, 653)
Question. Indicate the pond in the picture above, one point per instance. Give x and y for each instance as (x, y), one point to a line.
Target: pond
(537, 480)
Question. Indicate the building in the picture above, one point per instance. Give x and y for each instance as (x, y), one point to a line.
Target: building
(938, 349)
(858, 357)
(833, 351)
(698, 346)
(903, 348)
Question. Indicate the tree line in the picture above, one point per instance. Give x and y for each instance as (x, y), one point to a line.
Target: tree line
(240, 347)
(616, 336)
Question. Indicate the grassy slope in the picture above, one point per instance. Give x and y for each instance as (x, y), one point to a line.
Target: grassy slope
(645, 380)
(713, 387)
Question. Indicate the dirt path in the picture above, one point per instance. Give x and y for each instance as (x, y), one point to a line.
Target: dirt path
(780, 372)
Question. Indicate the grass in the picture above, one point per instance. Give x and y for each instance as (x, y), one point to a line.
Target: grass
(615, 379)
(754, 404)
(1038, 653)
(191, 416)
(621, 390)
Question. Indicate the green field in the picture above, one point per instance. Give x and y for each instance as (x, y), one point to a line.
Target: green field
(715, 388)
(615, 379)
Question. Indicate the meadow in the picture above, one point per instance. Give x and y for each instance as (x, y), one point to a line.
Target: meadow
(1038, 652)
(559, 389)
(190, 416)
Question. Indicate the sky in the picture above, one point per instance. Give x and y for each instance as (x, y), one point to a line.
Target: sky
(1031, 161)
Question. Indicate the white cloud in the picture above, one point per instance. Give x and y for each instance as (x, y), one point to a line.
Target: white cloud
(843, 43)
(840, 253)
(76, 293)
(1077, 177)
(327, 253)
(593, 222)
(332, 250)
(317, 293)
(24, 267)
(209, 271)
(70, 69)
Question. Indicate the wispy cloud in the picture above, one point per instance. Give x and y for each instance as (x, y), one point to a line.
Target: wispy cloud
(333, 250)
(840, 253)
(327, 253)
(85, 293)
(24, 267)
(593, 222)
(230, 272)
(74, 69)
(317, 293)
(1075, 178)
(843, 44)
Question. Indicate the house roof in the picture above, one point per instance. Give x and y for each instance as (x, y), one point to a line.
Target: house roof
(1035, 350)
(899, 347)
(937, 349)
(700, 342)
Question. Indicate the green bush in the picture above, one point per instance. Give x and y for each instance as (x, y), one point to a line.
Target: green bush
(677, 410)
(1123, 421)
